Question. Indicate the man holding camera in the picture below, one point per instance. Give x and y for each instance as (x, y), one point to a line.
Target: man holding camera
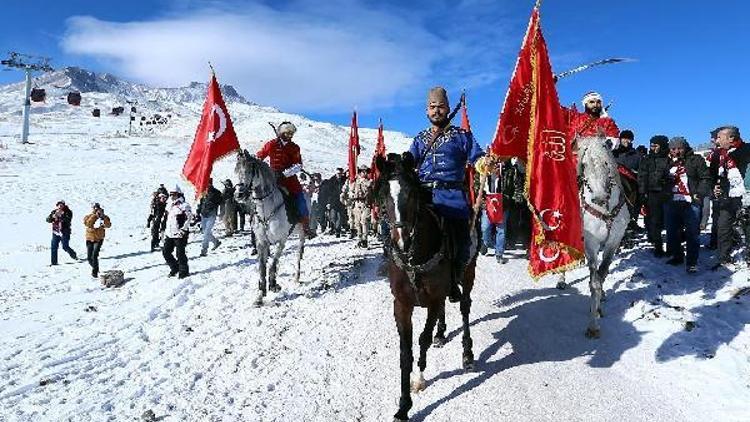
(60, 218)
(96, 223)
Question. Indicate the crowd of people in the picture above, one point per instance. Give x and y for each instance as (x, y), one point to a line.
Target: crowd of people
(671, 186)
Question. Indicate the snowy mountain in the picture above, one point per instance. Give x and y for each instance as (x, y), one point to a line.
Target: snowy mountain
(323, 144)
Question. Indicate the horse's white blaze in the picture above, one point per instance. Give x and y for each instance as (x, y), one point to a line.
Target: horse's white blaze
(395, 191)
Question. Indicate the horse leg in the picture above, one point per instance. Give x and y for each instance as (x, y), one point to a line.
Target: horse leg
(561, 284)
(440, 340)
(263, 248)
(595, 285)
(300, 252)
(402, 313)
(425, 339)
(466, 341)
(608, 254)
(272, 285)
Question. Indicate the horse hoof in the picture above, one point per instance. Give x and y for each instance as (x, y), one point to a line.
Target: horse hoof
(592, 333)
(274, 288)
(468, 364)
(257, 303)
(561, 285)
(418, 384)
(400, 420)
(439, 341)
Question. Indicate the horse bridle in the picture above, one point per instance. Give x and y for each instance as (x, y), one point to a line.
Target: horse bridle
(608, 218)
(404, 260)
(252, 192)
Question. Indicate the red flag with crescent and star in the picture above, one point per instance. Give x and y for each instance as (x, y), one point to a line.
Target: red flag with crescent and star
(533, 126)
(214, 138)
(353, 148)
(379, 152)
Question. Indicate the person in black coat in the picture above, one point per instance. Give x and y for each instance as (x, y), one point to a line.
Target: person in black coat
(688, 184)
(730, 159)
(60, 218)
(628, 161)
(652, 183)
(158, 205)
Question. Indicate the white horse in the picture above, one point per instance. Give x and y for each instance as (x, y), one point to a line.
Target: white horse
(605, 216)
(270, 221)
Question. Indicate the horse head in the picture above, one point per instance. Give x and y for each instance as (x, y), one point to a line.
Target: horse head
(597, 170)
(255, 174)
(398, 191)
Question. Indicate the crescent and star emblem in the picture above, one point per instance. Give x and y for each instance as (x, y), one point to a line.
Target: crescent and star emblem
(556, 215)
(549, 258)
(212, 136)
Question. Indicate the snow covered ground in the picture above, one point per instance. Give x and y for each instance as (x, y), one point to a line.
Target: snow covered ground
(674, 347)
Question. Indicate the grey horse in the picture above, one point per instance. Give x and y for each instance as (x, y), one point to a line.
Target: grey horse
(605, 216)
(270, 222)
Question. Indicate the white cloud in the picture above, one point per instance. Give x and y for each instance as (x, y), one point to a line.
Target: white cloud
(303, 57)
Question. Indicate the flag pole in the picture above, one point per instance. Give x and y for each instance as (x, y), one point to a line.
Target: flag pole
(538, 4)
(213, 72)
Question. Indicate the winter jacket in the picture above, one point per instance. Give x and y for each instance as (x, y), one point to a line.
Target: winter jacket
(285, 158)
(441, 164)
(176, 221)
(513, 181)
(729, 171)
(627, 157)
(157, 211)
(699, 179)
(210, 202)
(360, 190)
(653, 171)
(60, 220)
(96, 226)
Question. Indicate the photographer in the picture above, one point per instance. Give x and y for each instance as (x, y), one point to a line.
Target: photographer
(60, 218)
(95, 223)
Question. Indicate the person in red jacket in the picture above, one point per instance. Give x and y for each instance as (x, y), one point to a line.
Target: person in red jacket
(285, 160)
(593, 121)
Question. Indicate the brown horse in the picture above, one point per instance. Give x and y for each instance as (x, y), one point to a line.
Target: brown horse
(419, 268)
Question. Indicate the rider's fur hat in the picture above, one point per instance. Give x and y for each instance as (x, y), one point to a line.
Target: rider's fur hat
(287, 127)
(437, 95)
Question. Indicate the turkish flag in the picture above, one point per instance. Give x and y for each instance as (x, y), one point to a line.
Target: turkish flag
(214, 138)
(534, 125)
(493, 204)
(353, 148)
(379, 152)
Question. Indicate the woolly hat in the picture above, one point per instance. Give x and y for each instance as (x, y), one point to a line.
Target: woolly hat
(437, 95)
(678, 142)
(60, 202)
(287, 127)
(176, 190)
(627, 134)
(660, 140)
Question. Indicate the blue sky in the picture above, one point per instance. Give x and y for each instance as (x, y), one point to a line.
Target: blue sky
(322, 59)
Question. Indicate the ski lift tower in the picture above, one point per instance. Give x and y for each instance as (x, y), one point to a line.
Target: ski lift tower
(29, 64)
